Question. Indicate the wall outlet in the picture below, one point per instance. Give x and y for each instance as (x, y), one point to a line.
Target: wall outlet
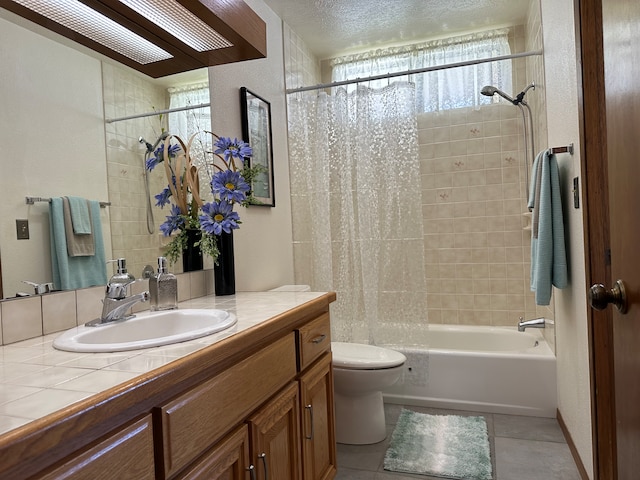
(22, 229)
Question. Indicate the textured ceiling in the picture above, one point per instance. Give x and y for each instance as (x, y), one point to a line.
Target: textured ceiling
(331, 27)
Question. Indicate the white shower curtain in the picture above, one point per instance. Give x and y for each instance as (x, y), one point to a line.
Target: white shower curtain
(355, 188)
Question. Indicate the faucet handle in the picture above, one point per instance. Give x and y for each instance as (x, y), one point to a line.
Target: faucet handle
(118, 283)
(40, 288)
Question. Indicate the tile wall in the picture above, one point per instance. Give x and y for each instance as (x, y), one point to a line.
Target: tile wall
(128, 93)
(302, 68)
(476, 250)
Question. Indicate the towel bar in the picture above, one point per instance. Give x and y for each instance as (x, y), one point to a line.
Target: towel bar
(32, 200)
(566, 149)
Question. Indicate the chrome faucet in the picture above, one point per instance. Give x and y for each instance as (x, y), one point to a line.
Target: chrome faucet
(116, 303)
(535, 323)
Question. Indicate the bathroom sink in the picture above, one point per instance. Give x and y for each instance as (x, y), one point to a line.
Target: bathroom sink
(149, 329)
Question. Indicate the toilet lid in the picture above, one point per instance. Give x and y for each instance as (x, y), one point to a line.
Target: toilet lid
(357, 356)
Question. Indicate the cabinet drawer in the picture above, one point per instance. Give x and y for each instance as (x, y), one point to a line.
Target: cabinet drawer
(313, 340)
(127, 454)
(196, 420)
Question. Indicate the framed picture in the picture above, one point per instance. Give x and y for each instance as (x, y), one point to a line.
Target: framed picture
(256, 131)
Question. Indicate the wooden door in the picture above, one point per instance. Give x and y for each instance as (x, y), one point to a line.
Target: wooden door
(275, 437)
(621, 46)
(318, 429)
(610, 38)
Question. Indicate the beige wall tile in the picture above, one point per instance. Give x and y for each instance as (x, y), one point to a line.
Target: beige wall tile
(184, 286)
(21, 319)
(198, 283)
(89, 304)
(58, 311)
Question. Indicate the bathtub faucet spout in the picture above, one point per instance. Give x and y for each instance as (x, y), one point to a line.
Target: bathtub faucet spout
(535, 323)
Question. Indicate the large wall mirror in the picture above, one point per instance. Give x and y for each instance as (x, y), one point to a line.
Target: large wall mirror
(55, 142)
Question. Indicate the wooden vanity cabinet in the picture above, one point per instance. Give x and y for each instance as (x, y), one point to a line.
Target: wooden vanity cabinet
(316, 399)
(291, 436)
(319, 439)
(197, 419)
(126, 454)
(255, 406)
(275, 437)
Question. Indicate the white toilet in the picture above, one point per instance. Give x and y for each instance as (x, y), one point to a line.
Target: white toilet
(360, 372)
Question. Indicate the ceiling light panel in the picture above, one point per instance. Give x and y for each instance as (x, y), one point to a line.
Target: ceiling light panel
(179, 22)
(76, 16)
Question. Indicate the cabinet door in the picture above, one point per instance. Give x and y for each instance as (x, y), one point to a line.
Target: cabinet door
(318, 429)
(127, 454)
(228, 460)
(275, 437)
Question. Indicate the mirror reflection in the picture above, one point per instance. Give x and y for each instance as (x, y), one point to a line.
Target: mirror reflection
(56, 98)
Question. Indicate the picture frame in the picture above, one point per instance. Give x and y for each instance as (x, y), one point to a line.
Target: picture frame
(256, 131)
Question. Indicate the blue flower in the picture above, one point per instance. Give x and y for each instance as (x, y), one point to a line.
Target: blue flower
(218, 217)
(151, 163)
(173, 222)
(163, 197)
(158, 157)
(230, 186)
(232, 148)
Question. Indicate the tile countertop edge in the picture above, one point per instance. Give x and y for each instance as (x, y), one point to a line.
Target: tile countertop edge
(103, 412)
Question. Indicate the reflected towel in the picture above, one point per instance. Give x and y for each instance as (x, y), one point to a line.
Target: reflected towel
(548, 250)
(80, 215)
(76, 272)
(77, 245)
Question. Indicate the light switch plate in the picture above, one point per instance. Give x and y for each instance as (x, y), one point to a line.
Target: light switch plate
(22, 229)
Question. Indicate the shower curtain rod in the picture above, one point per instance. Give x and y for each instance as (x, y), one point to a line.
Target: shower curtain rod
(158, 112)
(411, 72)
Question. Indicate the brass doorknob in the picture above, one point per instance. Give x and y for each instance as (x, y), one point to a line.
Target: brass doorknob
(600, 297)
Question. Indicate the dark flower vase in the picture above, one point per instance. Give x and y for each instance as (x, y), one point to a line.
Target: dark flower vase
(192, 255)
(224, 272)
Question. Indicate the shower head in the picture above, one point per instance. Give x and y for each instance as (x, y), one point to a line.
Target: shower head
(151, 148)
(490, 91)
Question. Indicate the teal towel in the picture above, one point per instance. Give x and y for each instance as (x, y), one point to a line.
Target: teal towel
(80, 220)
(548, 250)
(76, 272)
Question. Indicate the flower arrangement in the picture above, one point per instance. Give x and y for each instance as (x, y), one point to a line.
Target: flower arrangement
(228, 180)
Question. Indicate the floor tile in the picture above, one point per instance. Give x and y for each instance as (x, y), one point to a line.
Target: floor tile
(533, 460)
(528, 428)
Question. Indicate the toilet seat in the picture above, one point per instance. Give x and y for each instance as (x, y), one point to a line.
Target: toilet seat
(358, 356)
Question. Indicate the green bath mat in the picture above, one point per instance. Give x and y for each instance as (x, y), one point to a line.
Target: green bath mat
(449, 446)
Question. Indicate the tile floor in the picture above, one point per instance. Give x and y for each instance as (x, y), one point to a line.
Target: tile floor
(522, 448)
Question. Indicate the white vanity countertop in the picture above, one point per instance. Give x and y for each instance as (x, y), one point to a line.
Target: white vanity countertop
(36, 379)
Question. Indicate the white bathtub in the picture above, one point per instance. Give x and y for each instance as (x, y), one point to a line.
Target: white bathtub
(485, 369)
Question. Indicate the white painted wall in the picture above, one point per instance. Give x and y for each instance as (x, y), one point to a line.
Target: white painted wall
(263, 244)
(572, 347)
(51, 144)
